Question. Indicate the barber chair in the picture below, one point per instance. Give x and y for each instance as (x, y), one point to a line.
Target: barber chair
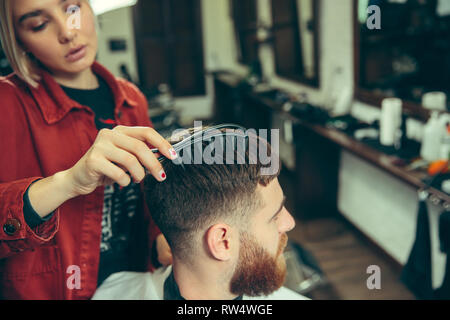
(303, 271)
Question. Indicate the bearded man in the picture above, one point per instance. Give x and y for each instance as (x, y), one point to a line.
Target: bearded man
(226, 225)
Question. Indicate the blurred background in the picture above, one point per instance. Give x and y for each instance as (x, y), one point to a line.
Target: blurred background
(359, 91)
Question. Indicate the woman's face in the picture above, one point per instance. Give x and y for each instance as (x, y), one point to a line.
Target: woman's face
(63, 41)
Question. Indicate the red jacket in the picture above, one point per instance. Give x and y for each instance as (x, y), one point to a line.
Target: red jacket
(42, 132)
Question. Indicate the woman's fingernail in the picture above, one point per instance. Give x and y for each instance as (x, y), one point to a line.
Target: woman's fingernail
(173, 153)
(162, 175)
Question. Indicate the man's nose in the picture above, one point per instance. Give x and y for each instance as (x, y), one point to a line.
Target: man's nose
(287, 222)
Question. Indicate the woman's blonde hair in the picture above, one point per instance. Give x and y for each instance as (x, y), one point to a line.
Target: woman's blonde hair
(22, 63)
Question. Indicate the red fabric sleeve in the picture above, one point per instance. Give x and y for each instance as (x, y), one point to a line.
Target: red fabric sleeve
(12, 187)
(11, 213)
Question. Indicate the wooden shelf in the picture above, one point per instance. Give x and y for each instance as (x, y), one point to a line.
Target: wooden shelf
(348, 143)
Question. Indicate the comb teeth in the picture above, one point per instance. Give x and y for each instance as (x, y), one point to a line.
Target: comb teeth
(198, 136)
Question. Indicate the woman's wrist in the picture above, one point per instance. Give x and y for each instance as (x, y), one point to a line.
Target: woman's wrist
(48, 194)
(65, 180)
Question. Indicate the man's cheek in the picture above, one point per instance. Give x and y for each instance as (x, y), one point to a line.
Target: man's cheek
(273, 250)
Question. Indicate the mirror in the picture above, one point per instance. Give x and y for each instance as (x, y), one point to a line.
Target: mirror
(402, 49)
(295, 40)
(293, 34)
(245, 18)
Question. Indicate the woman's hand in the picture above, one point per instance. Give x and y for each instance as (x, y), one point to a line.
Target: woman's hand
(163, 251)
(114, 154)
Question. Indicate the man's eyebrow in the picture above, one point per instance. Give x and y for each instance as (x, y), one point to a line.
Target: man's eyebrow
(279, 210)
(35, 13)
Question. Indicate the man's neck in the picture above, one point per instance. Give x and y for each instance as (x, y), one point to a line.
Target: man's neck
(197, 283)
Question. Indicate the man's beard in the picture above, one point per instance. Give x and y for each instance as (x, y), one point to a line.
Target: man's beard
(258, 273)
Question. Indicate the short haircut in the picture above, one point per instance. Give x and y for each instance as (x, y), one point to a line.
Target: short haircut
(195, 196)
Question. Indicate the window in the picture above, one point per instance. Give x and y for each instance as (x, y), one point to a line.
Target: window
(295, 40)
(407, 57)
(169, 45)
(245, 18)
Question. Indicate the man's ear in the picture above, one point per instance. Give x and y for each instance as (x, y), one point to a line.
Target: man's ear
(219, 240)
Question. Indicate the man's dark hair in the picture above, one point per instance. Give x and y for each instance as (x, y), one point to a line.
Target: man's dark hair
(195, 196)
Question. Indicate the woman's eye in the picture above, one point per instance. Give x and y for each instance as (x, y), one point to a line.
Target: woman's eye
(39, 27)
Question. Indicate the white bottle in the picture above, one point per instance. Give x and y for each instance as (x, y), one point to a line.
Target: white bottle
(432, 136)
(390, 120)
(445, 147)
(435, 101)
(445, 140)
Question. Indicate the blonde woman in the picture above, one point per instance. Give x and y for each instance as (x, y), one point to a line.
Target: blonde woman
(75, 144)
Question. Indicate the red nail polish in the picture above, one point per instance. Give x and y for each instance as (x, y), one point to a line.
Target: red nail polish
(162, 175)
(173, 153)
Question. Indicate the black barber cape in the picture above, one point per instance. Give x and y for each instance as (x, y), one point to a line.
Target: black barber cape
(172, 292)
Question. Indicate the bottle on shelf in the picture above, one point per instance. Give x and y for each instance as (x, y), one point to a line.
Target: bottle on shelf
(432, 138)
(445, 140)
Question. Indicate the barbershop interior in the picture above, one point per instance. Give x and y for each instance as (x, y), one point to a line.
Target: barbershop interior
(358, 92)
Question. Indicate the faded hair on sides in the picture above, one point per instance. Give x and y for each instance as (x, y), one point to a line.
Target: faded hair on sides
(195, 196)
